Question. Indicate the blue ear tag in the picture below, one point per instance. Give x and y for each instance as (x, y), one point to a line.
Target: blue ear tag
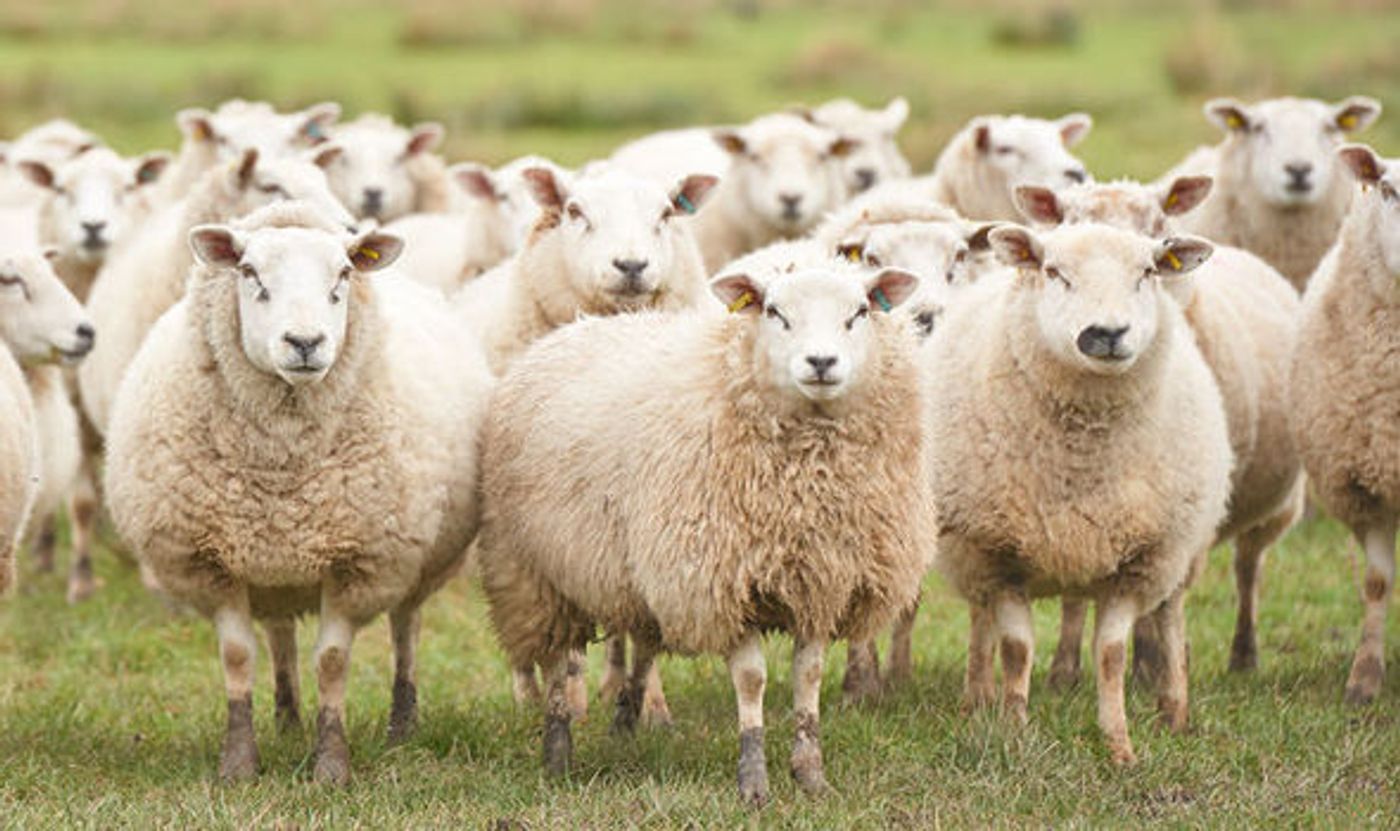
(313, 130)
(879, 295)
(685, 203)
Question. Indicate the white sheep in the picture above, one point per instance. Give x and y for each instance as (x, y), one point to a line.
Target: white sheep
(877, 159)
(299, 436)
(145, 277)
(19, 462)
(53, 143)
(758, 470)
(1278, 192)
(1245, 318)
(1346, 391)
(978, 172)
(1078, 446)
(383, 171)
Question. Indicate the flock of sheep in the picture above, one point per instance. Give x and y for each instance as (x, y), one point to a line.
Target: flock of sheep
(728, 381)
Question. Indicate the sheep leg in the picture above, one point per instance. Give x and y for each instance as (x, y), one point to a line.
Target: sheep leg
(1172, 696)
(614, 667)
(806, 765)
(862, 679)
(1113, 617)
(902, 646)
(1250, 548)
(45, 543)
(523, 684)
(332, 672)
(82, 516)
(750, 675)
(558, 738)
(404, 625)
(1368, 668)
(979, 690)
(576, 685)
(238, 644)
(631, 698)
(1064, 669)
(1013, 622)
(282, 644)
(655, 711)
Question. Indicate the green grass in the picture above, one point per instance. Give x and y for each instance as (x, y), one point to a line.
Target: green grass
(111, 715)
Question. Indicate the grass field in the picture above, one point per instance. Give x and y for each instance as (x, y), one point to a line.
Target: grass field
(111, 713)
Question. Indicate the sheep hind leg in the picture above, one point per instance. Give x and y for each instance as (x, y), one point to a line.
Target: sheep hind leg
(862, 679)
(238, 760)
(524, 687)
(655, 711)
(1170, 625)
(558, 744)
(979, 689)
(614, 667)
(82, 515)
(1250, 548)
(631, 698)
(1065, 667)
(45, 544)
(806, 765)
(1368, 667)
(901, 667)
(332, 673)
(282, 645)
(405, 624)
(749, 674)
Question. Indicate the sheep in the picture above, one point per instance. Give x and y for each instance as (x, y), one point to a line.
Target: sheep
(19, 462)
(978, 172)
(877, 159)
(1277, 193)
(1346, 391)
(1244, 315)
(297, 436)
(1077, 445)
(52, 142)
(767, 474)
(604, 243)
(145, 277)
(383, 171)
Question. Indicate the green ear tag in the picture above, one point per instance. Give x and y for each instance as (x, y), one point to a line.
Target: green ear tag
(685, 203)
(879, 295)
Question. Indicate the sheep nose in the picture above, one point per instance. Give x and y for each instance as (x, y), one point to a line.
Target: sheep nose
(374, 200)
(87, 336)
(93, 230)
(821, 364)
(1101, 341)
(305, 346)
(865, 178)
(1076, 175)
(791, 202)
(1299, 170)
(631, 269)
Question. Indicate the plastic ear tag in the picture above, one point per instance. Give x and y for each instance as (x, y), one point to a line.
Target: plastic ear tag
(1172, 199)
(367, 252)
(741, 302)
(685, 203)
(313, 130)
(880, 298)
(1347, 122)
(852, 253)
(1174, 261)
(1234, 121)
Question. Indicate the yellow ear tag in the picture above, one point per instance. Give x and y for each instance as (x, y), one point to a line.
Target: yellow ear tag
(1174, 261)
(1234, 122)
(368, 252)
(853, 253)
(1347, 122)
(1172, 199)
(741, 302)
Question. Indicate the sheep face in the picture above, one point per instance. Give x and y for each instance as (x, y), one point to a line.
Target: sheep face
(876, 157)
(1015, 150)
(787, 172)
(1380, 180)
(293, 289)
(1096, 292)
(813, 331)
(367, 165)
(1129, 205)
(1284, 150)
(623, 234)
(242, 125)
(89, 199)
(40, 320)
(258, 181)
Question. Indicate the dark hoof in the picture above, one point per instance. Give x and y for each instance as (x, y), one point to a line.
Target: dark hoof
(403, 715)
(628, 710)
(1243, 656)
(753, 768)
(238, 762)
(558, 745)
(332, 750)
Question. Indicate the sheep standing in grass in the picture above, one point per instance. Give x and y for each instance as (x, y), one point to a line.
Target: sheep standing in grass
(978, 172)
(695, 480)
(298, 436)
(383, 171)
(1245, 318)
(1278, 192)
(1346, 393)
(1078, 447)
(877, 158)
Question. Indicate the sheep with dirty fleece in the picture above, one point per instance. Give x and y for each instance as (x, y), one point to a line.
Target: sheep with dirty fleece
(1347, 391)
(383, 171)
(877, 159)
(772, 455)
(147, 276)
(1278, 190)
(299, 436)
(605, 242)
(1244, 315)
(1100, 448)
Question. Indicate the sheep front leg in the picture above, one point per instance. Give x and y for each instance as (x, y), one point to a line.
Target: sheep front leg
(655, 711)
(1013, 620)
(282, 644)
(1113, 618)
(902, 646)
(1064, 669)
(1368, 667)
(404, 626)
(45, 544)
(979, 689)
(576, 686)
(238, 645)
(523, 684)
(862, 679)
(807, 659)
(1170, 625)
(558, 737)
(614, 667)
(750, 675)
(82, 516)
(332, 673)
(632, 697)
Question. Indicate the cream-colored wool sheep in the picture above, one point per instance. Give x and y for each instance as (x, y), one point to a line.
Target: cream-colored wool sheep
(52, 143)
(1346, 392)
(299, 436)
(446, 250)
(19, 463)
(756, 471)
(1083, 451)
(1245, 318)
(383, 171)
(605, 243)
(978, 172)
(1278, 192)
(877, 159)
(146, 276)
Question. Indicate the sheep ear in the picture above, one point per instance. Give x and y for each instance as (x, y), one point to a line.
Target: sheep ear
(150, 166)
(895, 114)
(327, 153)
(691, 192)
(1074, 127)
(982, 137)
(1228, 114)
(1363, 163)
(476, 180)
(980, 237)
(545, 188)
(51, 254)
(803, 112)
(889, 288)
(216, 245)
(1186, 193)
(738, 292)
(37, 172)
(731, 142)
(319, 118)
(1039, 204)
(842, 147)
(1017, 246)
(247, 163)
(374, 251)
(1180, 255)
(1356, 113)
(197, 124)
(425, 138)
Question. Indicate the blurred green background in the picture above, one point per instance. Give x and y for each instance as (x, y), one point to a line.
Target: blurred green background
(573, 78)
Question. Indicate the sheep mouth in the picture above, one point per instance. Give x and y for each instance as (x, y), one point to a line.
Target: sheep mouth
(71, 357)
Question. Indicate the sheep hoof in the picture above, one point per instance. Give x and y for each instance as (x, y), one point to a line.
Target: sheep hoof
(82, 585)
(1064, 673)
(629, 707)
(1365, 681)
(332, 750)
(238, 762)
(753, 768)
(403, 714)
(1243, 655)
(1122, 754)
(655, 711)
(1173, 715)
(558, 745)
(806, 765)
(1015, 710)
(862, 683)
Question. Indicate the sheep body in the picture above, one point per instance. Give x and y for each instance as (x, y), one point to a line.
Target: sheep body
(19, 464)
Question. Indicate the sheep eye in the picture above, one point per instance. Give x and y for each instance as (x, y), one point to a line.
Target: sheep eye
(863, 311)
(576, 214)
(15, 280)
(772, 312)
(1055, 274)
(961, 256)
(1387, 191)
(872, 260)
(273, 188)
(924, 321)
(1004, 150)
